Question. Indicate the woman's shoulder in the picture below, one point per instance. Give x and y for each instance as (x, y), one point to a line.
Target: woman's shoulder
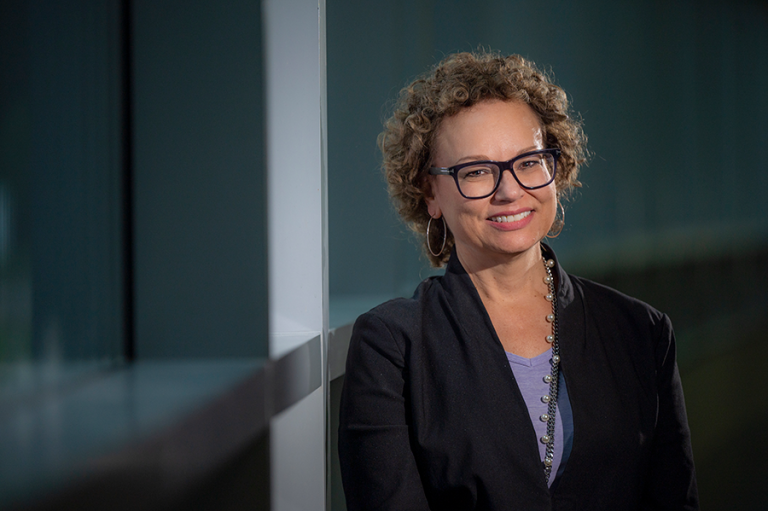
(401, 313)
(607, 301)
(386, 331)
(627, 323)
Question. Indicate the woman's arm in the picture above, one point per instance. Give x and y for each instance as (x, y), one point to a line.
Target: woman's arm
(378, 466)
(672, 478)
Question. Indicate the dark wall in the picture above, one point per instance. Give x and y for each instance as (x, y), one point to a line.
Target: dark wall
(200, 180)
(61, 292)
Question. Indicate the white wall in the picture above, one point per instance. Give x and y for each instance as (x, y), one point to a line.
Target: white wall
(294, 45)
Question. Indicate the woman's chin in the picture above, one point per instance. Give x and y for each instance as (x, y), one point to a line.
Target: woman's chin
(501, 251)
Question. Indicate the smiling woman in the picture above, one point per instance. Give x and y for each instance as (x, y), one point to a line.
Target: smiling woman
(510, 221)
(506, 383)
(411, 136)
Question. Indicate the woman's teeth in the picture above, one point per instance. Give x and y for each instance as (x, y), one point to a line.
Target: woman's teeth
(511, 218)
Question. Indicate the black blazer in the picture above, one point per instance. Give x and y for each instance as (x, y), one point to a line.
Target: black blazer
(431, 416)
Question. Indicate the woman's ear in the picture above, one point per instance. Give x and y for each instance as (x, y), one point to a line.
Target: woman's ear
(433, 206)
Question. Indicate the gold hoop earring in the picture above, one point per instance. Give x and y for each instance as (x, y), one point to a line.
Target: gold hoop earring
(552, 235)
(445, 237)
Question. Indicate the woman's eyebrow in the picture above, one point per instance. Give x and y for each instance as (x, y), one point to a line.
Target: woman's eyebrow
(482, 157)
(466, 159)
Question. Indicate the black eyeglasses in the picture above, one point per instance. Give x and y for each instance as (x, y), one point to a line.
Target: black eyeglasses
(480, 179)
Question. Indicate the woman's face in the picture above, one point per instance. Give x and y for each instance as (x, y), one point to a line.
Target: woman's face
(511, 221)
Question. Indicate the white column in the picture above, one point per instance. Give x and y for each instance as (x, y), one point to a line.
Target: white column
(294, 42)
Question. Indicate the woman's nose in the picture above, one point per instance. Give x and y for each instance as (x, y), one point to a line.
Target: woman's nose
(509, 189)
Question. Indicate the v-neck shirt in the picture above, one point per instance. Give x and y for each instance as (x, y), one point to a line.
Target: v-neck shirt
(529, 374)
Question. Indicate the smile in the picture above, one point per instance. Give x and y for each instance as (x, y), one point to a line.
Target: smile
(511, 218)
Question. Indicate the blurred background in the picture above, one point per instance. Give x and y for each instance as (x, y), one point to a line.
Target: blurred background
(133, 223)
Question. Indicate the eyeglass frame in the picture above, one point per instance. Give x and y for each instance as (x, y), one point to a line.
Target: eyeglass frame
(503, 165)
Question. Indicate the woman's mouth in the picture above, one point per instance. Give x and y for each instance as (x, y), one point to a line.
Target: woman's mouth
(510, 218)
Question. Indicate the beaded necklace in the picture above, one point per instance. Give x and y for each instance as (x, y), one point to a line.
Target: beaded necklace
(553, 380)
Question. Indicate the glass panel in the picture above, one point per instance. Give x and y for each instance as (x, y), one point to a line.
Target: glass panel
(199, 180)
(60, 198)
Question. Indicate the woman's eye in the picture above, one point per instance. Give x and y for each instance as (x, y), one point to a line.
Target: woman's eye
(476, 172)
(528, 164)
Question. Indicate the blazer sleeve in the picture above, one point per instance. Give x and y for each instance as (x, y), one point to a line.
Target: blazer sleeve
(671, 479)
(378, 466)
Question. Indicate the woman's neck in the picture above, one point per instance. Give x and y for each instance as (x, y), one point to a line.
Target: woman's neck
(506, 278)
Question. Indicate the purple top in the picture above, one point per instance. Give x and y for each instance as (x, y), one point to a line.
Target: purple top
(529, 373)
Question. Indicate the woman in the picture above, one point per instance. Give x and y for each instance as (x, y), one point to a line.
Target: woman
(506, 383)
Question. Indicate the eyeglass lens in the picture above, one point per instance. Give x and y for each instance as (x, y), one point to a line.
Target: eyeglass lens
(531, 171)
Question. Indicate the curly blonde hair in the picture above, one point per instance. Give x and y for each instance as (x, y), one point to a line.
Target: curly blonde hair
(457, 82)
